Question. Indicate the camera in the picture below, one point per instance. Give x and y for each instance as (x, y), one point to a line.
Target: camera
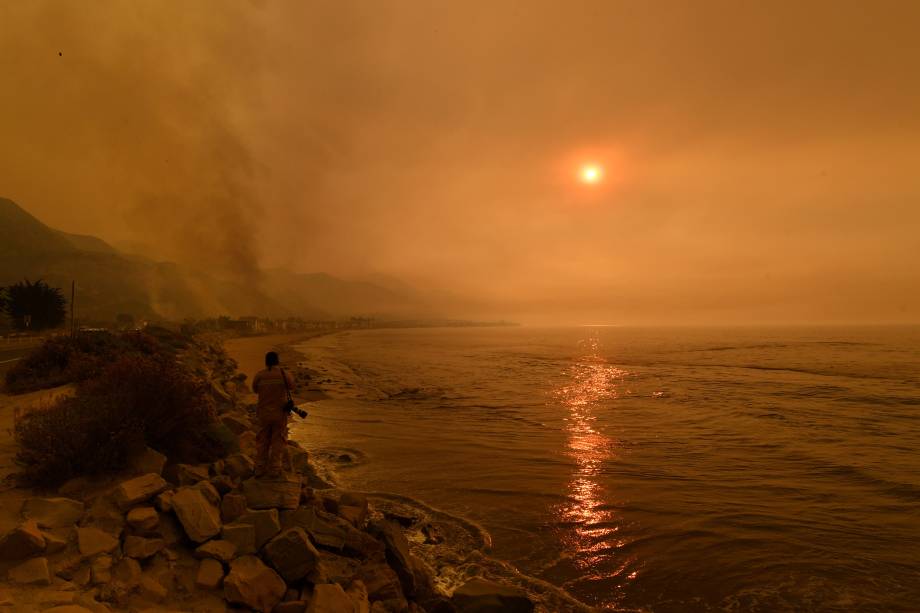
(290, 407)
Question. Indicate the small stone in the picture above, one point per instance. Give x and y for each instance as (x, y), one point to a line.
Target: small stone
(253, 584)
(101, 569)
(219, 549)
(31, 572)
(164, 501)
(264, 494)
(210, 574)
(92, 541)
(23, 541)
(137, 490)
(292, 554)
(53, 512)
(232, 506)
(143, 519)
(241, 535)
(142, 548)
(200, 518)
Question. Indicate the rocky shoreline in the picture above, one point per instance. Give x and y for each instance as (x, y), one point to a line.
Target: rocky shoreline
(162, 536)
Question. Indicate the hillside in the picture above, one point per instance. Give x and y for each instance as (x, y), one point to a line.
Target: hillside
(111, 282)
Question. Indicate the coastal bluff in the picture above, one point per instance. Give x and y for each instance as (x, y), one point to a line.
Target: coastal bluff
(167, 536)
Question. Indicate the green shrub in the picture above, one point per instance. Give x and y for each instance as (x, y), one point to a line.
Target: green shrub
(138, 399)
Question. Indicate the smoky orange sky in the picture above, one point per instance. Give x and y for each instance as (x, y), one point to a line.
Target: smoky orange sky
(761, 161)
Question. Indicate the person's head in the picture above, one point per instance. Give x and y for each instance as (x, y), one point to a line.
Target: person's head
(271, 359)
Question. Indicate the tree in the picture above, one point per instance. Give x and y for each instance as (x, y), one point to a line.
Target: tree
(33, 306)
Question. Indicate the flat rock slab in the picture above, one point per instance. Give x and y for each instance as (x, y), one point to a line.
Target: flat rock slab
(53, 512)
(137, 490)
(272, 494)
(481, 596)
(253, 584)
(92, 541)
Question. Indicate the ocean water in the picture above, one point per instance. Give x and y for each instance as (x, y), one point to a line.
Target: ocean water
(651, 469)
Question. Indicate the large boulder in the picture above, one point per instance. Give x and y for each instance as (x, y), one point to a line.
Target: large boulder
(323, 533)
(53, 512)
(266, 523)
(23, 541)
(283, 493)
(92, 541)
(292, 554)
(232, 506)
(481, 596)
(239, 466)
(381, 581)
(142, 548)
(253, 584)
(243, 536)
(137, 490)
(199, 517)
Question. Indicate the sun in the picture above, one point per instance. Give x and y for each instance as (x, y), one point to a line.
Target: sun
(591, 173)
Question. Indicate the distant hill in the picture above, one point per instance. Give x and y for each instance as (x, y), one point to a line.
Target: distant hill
(111, 282)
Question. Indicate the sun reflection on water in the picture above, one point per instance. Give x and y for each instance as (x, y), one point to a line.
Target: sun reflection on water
(592, 521)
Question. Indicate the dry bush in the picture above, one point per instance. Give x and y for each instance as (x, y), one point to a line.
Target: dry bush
(137, 399)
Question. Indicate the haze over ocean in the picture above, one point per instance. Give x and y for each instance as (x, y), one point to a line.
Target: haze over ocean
(671, 469)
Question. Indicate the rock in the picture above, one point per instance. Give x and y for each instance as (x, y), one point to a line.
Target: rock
(239, 466)
(253, 584)
(220, 550)
(147, 461)
(128, 572)
(53, 544)
(67, 567)
(209, 492)
(322, 533)
(101, 569)
(381, 581)
(200, 519)
(292, 554)
(53, 512)
(153, 589)
(210, 574)
(23, 541)
(337, 569)
(137, 490)
(164, 501)
(143, 519)
(69, 608)
(142, 548)
(52, 598)
(106, 515)
(31, 572)
(92, 541)
(223, 484)
(169, 530)
(481, 596)
(353, 499)
(241, 535)
(232, 506)
(82, 576)
(235, 424)
(300, 460)
(291, 606)
(397, 553)
(356, 516)
(75, 486)
(266, 523)
(357, 592)
(264, 494)
(330, 598)
(187, 474)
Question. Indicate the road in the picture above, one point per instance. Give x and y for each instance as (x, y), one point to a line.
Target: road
(11, 355)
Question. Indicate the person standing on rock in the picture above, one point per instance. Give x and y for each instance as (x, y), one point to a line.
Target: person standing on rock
(272, 386)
